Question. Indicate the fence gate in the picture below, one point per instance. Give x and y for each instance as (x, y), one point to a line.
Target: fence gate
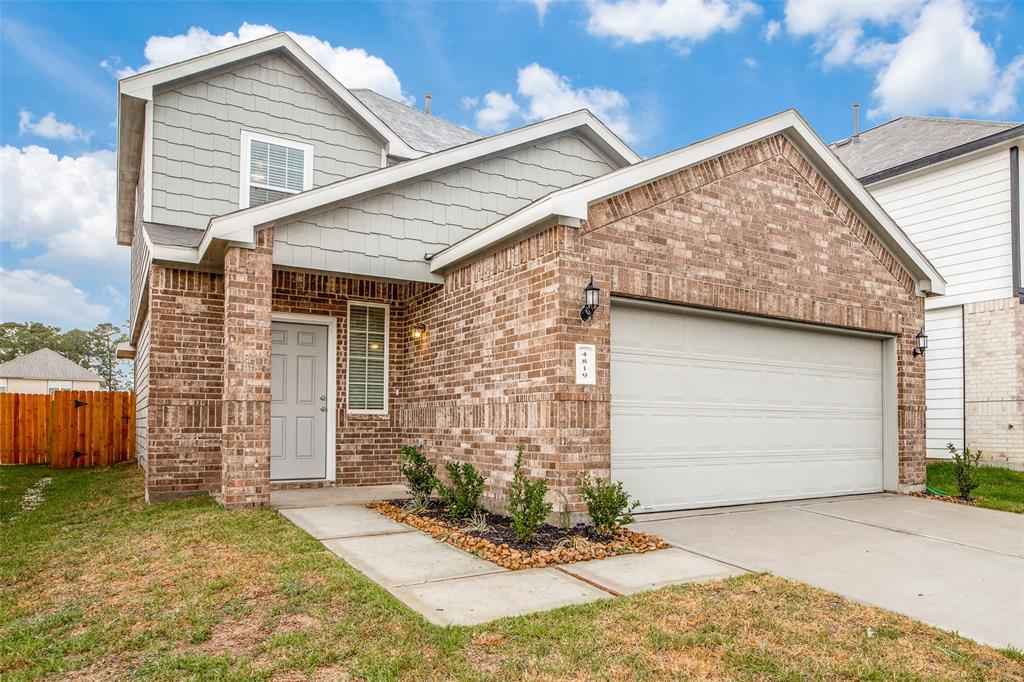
(67, 428)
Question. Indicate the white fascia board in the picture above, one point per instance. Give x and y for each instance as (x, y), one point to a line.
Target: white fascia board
(573, 201)
(142, 85)
(240, 226)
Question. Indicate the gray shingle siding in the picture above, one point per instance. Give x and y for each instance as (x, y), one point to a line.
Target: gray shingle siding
(197, 128)
(388, 234)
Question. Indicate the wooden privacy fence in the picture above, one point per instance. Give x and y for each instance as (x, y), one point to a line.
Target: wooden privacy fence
(67, 428)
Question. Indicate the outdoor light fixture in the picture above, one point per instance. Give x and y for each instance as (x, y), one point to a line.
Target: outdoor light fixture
(419, 331)
(591, 299)
(920, 343)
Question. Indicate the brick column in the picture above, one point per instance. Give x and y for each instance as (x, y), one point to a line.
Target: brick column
(245, 448)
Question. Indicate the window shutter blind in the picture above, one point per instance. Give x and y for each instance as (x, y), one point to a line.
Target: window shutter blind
(367, 362)
(275, 171)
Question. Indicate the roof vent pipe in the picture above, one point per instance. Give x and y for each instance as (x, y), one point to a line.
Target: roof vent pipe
(856, 121)
(426, 102)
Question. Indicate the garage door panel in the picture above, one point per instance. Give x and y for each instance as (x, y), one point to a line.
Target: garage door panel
(709, 411)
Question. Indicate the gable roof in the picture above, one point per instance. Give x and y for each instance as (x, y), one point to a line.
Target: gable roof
(46, 364)
(136, 91)
(911, 142)
(572, 203)
(420, 130)
(240, 226)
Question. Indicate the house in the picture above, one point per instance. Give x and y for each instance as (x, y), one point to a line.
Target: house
(954, 187)
(321, 276)
(46, 371)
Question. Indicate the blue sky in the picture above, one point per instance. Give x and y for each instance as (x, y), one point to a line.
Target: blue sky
(661, 74)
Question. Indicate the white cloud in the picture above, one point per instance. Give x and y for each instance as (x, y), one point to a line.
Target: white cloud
(469, 102)
(641, 21)
(944, 65)
(354, 67)
(772, 30)
(550, 94)
(837, 26)
(751, 62)
(30, 295)
(65, 204)
(49, 127)
(497, 112)
(544, 94)
(542, 8)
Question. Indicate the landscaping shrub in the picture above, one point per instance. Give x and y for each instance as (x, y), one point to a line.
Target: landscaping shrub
(965, 470)
(526, 505)
(607, 503)
(462, 498)
(419, 473)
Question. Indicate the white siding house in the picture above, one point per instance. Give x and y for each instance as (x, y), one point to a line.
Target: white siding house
(950, 185)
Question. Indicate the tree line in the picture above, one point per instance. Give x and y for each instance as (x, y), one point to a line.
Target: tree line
(95, 349)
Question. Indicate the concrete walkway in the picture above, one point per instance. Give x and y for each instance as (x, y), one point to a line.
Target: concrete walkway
(451, 587)
(956, 567)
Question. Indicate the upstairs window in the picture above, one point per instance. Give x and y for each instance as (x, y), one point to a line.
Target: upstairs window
(273, 168)
(367, 358)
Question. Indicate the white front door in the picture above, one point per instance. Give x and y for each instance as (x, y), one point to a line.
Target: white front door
(710, 410)
(298, 401)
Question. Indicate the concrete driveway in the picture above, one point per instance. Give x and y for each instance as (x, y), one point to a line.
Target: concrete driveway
(955, 567)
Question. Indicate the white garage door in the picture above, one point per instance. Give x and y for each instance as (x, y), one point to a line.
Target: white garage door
(710, 411)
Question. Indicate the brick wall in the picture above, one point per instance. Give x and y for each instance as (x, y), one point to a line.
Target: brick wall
(186, 341)
(994, 379)
(755, 232)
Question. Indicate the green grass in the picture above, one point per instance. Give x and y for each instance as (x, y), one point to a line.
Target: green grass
(95, 584)
(1000, 488)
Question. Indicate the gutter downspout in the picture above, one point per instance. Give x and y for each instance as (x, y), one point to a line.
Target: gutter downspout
(1015, 235)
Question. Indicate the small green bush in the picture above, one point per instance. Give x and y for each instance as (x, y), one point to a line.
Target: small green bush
(462, 498)
(526, 505)
(420, 474)
(965, 470)
(607, 503)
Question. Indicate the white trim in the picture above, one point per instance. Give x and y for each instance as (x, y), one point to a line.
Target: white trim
(147, 165)
(332, 382)
(387, 353)
(141, 85)
(246, 139)
(574, 201)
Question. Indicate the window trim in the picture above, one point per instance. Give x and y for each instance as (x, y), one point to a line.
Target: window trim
(3, 385)
(387, 354)
(70, 387)
(247, 138)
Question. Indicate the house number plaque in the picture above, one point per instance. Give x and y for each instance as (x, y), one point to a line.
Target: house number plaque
(586, 363)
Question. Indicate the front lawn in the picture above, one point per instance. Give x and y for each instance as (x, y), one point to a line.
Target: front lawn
(94, 584)
(1000, 488)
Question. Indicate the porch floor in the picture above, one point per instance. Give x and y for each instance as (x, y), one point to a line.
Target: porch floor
(334, 496)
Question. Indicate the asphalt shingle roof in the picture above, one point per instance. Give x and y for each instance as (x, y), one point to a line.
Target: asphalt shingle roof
(419, 129)
(910, 138)
(174, 235)
(46, 364)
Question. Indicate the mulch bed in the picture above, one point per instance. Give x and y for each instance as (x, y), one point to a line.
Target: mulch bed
(497, 542)
(946, 498)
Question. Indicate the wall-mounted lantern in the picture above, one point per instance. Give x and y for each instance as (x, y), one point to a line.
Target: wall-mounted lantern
(591, 299)
(419, 331)
(920, 343)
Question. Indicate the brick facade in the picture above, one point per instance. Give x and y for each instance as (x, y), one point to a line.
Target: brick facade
(994, 380)
(756, 231)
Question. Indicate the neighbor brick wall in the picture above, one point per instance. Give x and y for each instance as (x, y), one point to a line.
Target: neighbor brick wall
(186, 352)
(994, 379)
(755, 232)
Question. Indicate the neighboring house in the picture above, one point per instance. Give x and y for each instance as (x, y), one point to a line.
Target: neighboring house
(46, 371)
(954, 187)
(322, 276)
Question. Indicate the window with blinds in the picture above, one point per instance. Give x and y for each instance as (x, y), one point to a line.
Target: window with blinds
(367, 358)
(275, 169)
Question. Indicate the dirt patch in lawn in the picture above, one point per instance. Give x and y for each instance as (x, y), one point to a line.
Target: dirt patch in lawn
(495, 540)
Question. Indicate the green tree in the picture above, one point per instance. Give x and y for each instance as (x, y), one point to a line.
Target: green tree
(20, 338)
(95, 349)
